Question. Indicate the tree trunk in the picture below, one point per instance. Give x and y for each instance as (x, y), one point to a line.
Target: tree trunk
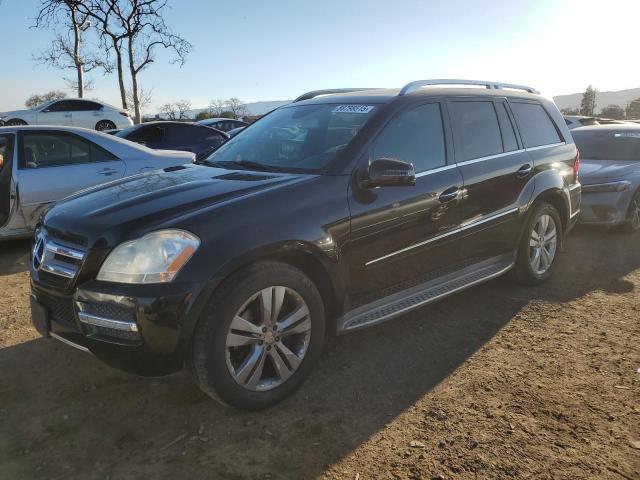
(76, 53)
(134, 82)
(123, 91)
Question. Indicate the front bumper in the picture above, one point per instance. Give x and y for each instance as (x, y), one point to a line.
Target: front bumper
(605, 208)
(142, 329)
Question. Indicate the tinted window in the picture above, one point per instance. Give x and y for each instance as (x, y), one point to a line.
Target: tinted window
(61, 106)
(477, 130)
(414, 136)
(142, 134)
(41, 150)
(84, 105)
(506, 127)
(536, 127)
(608, 145)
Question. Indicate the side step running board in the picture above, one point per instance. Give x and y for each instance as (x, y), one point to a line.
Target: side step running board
(402, 302)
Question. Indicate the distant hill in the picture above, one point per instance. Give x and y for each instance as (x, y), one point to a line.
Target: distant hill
(621, 97)
(255, 108)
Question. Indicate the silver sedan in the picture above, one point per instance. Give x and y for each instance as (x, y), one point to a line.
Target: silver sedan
(610, 175)
(40, 165)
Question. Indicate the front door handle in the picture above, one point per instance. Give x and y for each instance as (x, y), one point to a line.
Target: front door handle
(524, 170)
(107, 171)
(449, 195)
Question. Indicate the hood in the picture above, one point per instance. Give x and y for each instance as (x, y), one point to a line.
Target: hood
(594, 171)
(105, 215)
(17, 113)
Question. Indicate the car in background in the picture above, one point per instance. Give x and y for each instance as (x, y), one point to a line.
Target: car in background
(610, 175)
(223, 124)
(169, 135)
(235, 131)
(75, 112)
(41, 165)
(577, 121)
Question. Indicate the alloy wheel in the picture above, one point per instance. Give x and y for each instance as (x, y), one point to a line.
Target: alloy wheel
(634, 213)
(542, 244)
(268, 338)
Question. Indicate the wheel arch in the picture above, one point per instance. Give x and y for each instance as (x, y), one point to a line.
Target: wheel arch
(324, 272)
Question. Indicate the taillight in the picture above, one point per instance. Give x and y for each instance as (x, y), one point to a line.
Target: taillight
(125, 114)
(576, 166)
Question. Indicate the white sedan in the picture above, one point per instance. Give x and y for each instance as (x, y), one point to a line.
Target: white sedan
(75, 112)
(41, 165)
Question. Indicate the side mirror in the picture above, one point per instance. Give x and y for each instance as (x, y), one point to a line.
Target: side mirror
(389, 172)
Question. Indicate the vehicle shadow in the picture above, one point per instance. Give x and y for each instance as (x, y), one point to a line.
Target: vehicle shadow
(14, 256)
(57, 404)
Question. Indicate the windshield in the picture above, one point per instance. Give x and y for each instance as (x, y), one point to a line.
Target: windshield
(127, 131)
(608, 145)
(296, 138)
(43, 105)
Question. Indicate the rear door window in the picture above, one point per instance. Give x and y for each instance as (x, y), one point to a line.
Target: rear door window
(477, 133)
(42, 150)
(415, 136)
(535, 125)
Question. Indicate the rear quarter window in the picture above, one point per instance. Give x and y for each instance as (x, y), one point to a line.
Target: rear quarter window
(477, 133)
(535, 125)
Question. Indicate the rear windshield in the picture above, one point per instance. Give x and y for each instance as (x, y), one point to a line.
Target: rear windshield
(608, 145)
(297, 138)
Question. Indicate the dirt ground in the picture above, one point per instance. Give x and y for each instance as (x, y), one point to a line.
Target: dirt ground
(500, 381)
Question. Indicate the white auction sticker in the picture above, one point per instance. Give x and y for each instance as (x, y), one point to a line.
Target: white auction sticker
(353, 109)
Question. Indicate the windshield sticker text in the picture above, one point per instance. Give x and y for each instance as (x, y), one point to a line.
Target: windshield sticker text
(352, 109)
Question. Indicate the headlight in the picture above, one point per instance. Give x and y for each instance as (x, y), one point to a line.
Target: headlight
(607, 187)
(155, 258)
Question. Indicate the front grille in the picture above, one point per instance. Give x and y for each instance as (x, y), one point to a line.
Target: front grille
(110, 311)
(112, 333)
(55, 262)
(60, 309)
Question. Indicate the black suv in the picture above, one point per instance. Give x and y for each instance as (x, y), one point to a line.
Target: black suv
(341, 210)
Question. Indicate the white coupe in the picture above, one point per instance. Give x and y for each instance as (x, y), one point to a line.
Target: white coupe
(75, 112)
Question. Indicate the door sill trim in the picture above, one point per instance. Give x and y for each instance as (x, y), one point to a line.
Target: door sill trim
(402, 302)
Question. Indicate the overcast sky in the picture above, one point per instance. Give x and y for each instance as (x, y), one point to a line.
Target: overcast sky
(275, 49)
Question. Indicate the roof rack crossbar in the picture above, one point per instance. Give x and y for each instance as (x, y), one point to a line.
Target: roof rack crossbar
(418, 84)
(317, 93)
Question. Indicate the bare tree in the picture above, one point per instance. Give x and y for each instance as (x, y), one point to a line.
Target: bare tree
(216, 107)
(37, 99)
(144, 96)
(67, 50)
(140, 31)
(176, 110)
(105, 21)
(237, 107)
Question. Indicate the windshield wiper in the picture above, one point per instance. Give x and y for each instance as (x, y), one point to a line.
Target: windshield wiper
(244, 165)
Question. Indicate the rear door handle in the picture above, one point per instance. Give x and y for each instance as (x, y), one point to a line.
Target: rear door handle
(524, 170)
(107, 171)
(449, 195)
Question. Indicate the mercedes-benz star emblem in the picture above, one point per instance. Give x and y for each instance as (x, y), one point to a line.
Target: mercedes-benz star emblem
(38, 252)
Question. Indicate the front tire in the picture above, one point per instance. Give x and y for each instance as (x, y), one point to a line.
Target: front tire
(15, 122)
(632, 224)
(538, 249)
(103, 125)
(261, 334)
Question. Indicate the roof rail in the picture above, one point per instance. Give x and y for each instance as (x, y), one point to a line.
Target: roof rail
(414, 86)
(317, 93)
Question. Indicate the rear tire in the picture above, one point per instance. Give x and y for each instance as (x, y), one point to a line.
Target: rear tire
(103, 125)
(242, 347)
(538, 250)
(632, 224)
(15, 122)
